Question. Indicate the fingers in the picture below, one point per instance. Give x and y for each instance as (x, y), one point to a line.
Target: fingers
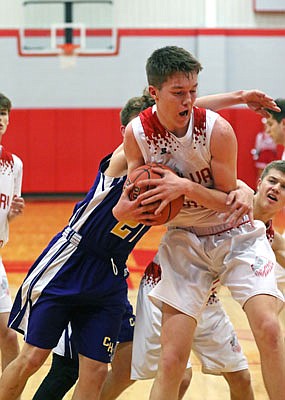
(17, 205)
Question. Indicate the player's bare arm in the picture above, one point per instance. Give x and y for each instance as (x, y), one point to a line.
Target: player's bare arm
(224, 155)
(125, 209)
(132, 151)
(255, 99)
(118, 163)
(171, 186)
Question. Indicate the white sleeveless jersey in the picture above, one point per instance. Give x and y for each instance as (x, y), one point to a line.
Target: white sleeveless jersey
(11, 172)
(189, 156)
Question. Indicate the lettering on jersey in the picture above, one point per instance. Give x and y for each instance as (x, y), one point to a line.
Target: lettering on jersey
(262, 266)
(4, 201)
(204, 175)
(124, 229)
(132, 321)
(109, 344)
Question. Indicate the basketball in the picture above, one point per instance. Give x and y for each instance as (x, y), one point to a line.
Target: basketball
(145, 172)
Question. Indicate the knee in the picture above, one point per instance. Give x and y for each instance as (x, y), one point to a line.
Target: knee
(239, 382)
(30, 362)
(269, 332)
(173, 365)
(8, 338)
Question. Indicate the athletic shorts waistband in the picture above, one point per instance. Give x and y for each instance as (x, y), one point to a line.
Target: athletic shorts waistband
(210, 230)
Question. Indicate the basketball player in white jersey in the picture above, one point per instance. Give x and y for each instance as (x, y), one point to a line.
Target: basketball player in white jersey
(64, 370)
(221, 354)
(200, 245)
(11, 205)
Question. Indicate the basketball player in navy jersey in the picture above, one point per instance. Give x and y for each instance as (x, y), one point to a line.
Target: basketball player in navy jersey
(64, 370)
(200, 245)
(11, 206)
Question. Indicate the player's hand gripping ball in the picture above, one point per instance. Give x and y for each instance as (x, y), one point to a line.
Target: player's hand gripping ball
(145, 172)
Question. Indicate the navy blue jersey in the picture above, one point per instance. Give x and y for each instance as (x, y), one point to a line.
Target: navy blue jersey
(94, 221)
(80, 276)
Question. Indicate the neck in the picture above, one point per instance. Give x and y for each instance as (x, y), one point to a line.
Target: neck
(261, 214)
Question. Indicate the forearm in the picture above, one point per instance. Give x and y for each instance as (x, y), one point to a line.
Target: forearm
(208, 198)
(218, 101)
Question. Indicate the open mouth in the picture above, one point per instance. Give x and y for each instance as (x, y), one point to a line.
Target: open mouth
(183, 113)
(272, 197)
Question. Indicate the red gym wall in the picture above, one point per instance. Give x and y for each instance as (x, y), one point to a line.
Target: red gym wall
(61, 148)
(64, 120)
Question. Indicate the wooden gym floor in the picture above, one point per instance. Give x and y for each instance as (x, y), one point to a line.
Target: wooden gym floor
(30, 233)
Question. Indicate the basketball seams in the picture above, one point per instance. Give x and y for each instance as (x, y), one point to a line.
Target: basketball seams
(145, 172)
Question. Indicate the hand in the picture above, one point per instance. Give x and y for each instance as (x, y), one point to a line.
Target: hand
(259, 101)
(17, 207)
(132, 210)
(165, 189)
(240, 202)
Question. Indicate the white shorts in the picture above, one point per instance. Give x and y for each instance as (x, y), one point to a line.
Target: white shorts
(5, 297)
(215, 343)
(241, 257)
(280, 275)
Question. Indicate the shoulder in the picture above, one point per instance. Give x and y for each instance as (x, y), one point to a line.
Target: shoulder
(222, 128)
(18, 163)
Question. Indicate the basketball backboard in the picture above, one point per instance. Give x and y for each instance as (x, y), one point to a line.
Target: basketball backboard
(55, 27)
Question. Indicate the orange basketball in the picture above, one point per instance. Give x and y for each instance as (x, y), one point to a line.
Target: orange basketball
(146, 172)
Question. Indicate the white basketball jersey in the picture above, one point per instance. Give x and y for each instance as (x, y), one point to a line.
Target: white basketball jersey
(11, 171)
(189, 156)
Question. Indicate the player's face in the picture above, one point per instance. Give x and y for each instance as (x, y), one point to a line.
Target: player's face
(4, 120)
(274, 129)
(271, 191)
(175, 101)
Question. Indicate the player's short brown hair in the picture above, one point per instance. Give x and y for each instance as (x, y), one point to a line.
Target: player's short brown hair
(134, 106)
(5, 103)
(279, 165)
(278, 116)
(166, 61)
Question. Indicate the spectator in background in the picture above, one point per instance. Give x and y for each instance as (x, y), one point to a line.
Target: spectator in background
(275, 125)
(11, 205)
(265, 149)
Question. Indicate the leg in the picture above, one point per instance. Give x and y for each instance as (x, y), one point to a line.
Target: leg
(61, 377)
(239, 384)
(175, 352)
(118, 378)
(17, 373)
(262, 313)
(92, 375)
(8, 341)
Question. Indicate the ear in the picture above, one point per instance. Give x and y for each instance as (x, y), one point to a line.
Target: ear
(152, 91)
(258, 183)
(122, 129)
